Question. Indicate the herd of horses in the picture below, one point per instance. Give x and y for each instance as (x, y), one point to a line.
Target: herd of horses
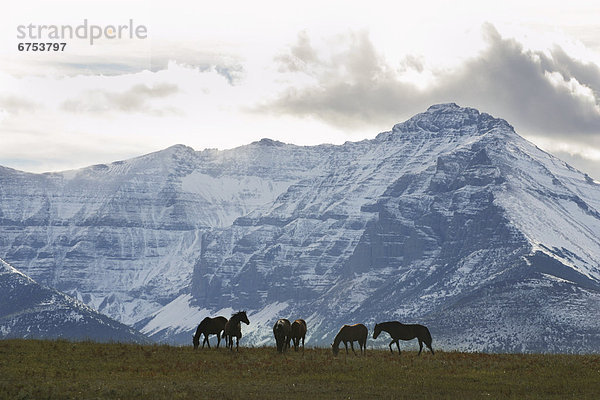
(286, 332)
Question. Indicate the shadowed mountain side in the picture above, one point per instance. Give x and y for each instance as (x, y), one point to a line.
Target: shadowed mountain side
(29, 310)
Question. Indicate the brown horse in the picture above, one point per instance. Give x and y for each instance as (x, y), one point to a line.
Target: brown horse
(351, 333)
(233, 328)
(298, 332)
(399, 331)
(209, 326)
(282, 330)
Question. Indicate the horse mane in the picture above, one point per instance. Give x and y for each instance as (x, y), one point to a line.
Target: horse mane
(338, 339)
(238, 317)
(201, 326)
(377, 329)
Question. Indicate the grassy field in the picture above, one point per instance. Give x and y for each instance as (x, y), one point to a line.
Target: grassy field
(31, 369)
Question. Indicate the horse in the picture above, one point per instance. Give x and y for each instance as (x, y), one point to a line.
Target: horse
(282, 331)
(298, 332)
(233, 327)
(351, 333)
(399, 331)
(209, 326)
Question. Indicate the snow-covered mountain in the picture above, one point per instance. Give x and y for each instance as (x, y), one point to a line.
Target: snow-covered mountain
(29, 310)
(450, 219)
(124, 237)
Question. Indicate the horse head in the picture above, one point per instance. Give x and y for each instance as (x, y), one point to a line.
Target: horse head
(335, 349)
(376, 331)
(196, 341)
(244, 317)
(278, 325)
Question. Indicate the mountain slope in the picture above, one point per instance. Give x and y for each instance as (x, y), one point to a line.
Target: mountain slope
(29, 310)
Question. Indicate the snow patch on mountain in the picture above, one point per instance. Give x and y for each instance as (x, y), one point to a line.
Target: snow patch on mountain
(180, 316)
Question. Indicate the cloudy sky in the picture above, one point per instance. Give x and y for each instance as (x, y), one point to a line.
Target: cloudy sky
(224, 74)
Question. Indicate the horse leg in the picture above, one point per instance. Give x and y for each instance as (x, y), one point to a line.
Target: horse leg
(346, 346)
(302, 343)
(430, 348)
(352, 346)
(398, 345)
(420, 346)
(237, 343)
(391, 343)
(207, 341)
(218, 339)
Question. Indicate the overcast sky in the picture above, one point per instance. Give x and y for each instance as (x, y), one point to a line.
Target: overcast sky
(224, 74)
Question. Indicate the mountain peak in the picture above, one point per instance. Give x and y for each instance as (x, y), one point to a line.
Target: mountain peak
(444, 106)
(268, 142)
(452, 119)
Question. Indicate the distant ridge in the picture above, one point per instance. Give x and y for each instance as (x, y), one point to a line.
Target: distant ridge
(29, 310)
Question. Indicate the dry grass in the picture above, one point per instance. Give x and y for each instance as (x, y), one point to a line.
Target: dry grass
(32, 369)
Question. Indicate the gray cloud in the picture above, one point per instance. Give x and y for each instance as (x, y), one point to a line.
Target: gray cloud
(511, 82)
(133, 100)
(17, 105)
(585, 73)
(412, 62)
(356, 87)
(301, 55)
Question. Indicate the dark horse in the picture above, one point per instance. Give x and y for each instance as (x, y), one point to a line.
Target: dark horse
(351, 333)
(233, 328)
(209, 326)
(282, 331)
(399, 331)
(298, 332)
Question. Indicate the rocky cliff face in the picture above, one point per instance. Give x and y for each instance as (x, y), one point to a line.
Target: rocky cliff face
(124, 237)
(450, 219)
